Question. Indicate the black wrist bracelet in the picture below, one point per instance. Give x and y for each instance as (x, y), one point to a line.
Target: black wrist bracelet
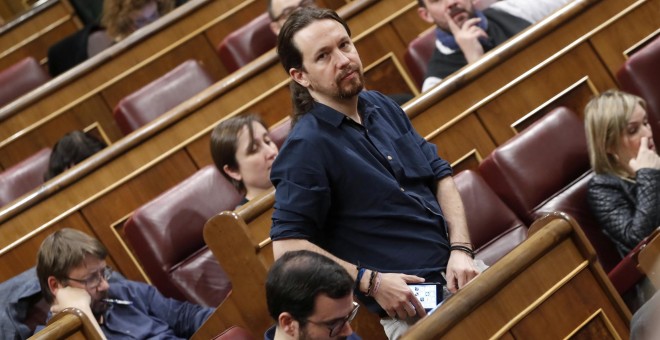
(463, 249)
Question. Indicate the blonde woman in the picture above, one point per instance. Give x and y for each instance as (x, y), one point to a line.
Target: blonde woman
(624, 195)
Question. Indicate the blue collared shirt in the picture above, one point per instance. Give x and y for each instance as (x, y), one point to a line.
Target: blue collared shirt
(365, 193)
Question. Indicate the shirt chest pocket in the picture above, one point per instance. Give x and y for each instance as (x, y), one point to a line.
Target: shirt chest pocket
(411, 158)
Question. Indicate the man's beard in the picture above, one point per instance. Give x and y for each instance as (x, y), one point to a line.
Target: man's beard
(99, 306)
(355, 85)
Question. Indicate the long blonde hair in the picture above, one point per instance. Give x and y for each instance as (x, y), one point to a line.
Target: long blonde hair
(606, 117)
(116, 18)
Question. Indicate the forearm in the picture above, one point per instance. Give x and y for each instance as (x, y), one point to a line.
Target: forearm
(453, 210)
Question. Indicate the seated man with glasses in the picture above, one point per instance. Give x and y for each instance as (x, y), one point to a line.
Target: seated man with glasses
(310, 297)
(72, 272)
(280, 10)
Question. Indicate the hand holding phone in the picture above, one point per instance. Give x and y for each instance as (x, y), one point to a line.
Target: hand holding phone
(429, 294)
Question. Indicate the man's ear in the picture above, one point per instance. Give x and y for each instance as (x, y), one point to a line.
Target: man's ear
(288, 325)
(423, 13)
(299, 77)
(235, 174)
(53, 285)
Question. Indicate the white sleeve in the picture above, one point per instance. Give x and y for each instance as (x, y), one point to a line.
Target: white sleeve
(430, 82)
(530, 10)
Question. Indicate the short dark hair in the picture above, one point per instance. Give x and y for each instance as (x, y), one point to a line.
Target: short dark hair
(71, 149)
(421, 3)
(298, 277)
(62, 251)
(224, 143)
(291, 57)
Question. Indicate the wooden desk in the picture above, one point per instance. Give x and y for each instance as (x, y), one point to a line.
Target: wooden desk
(549, 287)
(70, 323)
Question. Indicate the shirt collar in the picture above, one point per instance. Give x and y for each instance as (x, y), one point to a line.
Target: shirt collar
(335, 118)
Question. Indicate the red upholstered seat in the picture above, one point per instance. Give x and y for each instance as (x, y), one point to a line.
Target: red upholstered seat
(24, 176)
(418, 54)
(161, 95)
(494, 229)
(21, 78)
(247, 43)
(166, 235)
(546, 168)
(640, 75)
(235, 333)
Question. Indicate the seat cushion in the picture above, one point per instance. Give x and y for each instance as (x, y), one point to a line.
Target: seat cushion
(167, 231)
(247, 43)
(538, 162)
(21, 78)
(201, 279)
(24, 176)
(161, 95)
(418, 54)
(494, 228)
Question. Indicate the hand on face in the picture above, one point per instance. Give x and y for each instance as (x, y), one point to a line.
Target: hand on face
(467, 36)
(66, 297)
(646, 156)
(396, 298)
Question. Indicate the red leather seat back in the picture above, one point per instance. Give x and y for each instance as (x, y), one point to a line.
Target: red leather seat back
(573, 201)
(494, 229)
(235, 333)
(640, 75)
(418, 54)
(166, 235)
(278, 133)
(21, 78)
(161, 95)
(247, 43)
(537, 163)
(24, 176)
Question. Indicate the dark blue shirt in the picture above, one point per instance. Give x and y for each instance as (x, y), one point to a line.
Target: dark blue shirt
(365, 193)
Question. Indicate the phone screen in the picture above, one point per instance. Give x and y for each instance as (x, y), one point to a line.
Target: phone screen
(428, 294)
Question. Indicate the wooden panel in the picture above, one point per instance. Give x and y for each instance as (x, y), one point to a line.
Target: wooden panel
(34, 22)
(636, 24)
(387, 76)
(558, 322)
(598, 327)
(87, 112)
(121, 199)
(521, 97)
(649, 261)
(545, 288)
(575, 97)
(408, 25)
(37, 46)
(456, 140)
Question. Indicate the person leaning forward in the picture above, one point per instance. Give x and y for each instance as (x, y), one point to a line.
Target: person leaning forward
(355, 182)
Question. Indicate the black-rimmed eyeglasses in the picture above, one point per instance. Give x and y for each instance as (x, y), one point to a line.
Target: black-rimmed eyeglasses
(335, 327)
(95, 280)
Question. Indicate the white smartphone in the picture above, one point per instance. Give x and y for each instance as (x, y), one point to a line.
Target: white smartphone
(429, 294)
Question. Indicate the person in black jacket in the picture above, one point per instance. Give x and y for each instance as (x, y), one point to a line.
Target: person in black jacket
(624, 194)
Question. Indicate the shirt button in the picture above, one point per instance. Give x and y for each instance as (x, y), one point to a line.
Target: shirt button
(402, 189)
(389, 158)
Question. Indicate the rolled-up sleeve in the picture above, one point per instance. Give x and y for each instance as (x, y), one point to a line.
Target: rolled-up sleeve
(302, 192)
